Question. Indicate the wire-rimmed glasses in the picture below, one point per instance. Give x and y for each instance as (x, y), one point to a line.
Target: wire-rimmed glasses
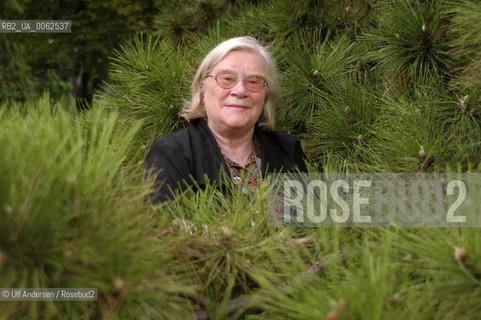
(228, 80)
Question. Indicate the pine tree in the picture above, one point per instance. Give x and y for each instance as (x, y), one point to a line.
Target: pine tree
(369, 86)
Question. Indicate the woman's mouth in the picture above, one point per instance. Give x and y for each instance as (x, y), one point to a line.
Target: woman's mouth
(236, 106)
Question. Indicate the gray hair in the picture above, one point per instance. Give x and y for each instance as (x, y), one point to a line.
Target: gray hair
(194, 108)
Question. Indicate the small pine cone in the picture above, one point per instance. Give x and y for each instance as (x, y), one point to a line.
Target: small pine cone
(143, 283)
(421, 152)
(332, 315)
(302, 240)
(8, 209)
(341, 305)
(226, 230)
(69, 179)
(68, 253)
(118, 284)
(315, 72)
(460, 254)
(396, 296)
(464, 100)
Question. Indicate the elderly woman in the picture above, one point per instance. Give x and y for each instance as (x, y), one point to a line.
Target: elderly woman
(231, 118)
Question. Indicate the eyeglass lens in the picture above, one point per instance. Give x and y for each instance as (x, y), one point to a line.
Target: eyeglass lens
(228, 80)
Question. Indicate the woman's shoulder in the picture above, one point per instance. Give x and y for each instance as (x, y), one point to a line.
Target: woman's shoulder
(173, 138)
(184, 141)
(172, 146)
(283, 138)
(286, 136)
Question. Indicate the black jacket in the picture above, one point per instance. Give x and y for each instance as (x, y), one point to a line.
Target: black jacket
(191, 153)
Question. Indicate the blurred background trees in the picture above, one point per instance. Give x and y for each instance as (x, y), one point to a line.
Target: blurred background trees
(75, 62)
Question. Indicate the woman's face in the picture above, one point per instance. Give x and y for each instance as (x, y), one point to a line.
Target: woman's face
(235, 108)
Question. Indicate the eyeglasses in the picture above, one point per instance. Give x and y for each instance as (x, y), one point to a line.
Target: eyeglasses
(227, 80)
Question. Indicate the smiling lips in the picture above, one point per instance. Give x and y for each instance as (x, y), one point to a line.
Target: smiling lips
(236, 106)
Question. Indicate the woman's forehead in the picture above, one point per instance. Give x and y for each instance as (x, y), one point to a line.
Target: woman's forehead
(236, 61)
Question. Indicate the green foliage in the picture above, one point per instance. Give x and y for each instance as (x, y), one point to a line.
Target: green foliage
(465, 35)
(140, 87)
(178, 22)
(356, 282)
(344, 125)
(465, 27)
(18, 80)
(390, 274)
(232, 239)
(445, 267)
(311, 75)
(15, 77)
(410, 135)
(72, 217)
(411, 39)
(97, 28)
(369, 86)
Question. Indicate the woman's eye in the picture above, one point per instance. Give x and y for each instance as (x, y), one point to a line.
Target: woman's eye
(227, 77)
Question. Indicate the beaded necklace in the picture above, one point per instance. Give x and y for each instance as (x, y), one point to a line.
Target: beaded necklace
(249, 177)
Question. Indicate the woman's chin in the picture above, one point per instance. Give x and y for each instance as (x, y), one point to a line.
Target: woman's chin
(238, 123)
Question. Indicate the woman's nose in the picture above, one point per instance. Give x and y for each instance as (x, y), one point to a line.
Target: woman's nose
(239, 89)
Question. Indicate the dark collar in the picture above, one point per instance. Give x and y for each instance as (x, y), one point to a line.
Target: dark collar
(275, 158)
